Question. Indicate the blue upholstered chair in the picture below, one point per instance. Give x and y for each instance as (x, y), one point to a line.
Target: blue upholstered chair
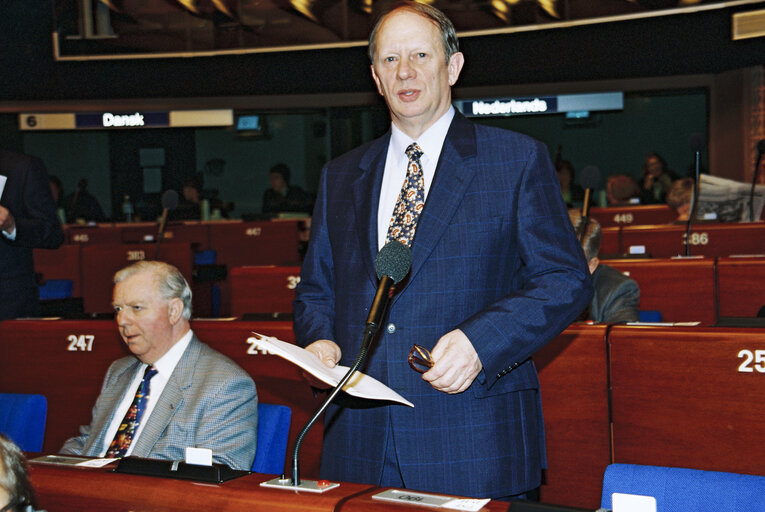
(56, 289)
(22, 419)
(687, 490)
(273, 431)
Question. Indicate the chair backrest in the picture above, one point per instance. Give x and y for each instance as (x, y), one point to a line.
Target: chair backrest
(22, 419)
(273, 431)
(689, 490)
(56, 289)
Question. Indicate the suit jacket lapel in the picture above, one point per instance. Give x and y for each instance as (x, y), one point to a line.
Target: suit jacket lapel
(113, 395)
(366, 196)
(453, 175)
(170, 400)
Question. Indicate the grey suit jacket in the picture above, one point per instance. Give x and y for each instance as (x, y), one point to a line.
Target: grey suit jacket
(617, 297)
(208, 402)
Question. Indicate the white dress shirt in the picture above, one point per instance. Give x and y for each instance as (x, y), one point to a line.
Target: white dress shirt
(164, 366)
(396, 163)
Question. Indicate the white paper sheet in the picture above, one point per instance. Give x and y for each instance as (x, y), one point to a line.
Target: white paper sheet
(3, 179)
(360, 385)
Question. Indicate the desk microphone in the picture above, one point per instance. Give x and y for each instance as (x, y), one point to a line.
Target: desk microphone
(755, 175)
(590, 179)
(169, 202)
(392, 265)
(698, 142)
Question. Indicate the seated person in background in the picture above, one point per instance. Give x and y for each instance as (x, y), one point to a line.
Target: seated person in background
(655, 180)
(616, 297)
(176, 391)
(622, 190)
(679, 198)
(573, 194)
(15, 492)
(82, 206)
(189, 205)
(283, 197)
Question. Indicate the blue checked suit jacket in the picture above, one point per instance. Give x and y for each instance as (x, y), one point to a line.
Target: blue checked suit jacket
(208, 402)
(494, 255)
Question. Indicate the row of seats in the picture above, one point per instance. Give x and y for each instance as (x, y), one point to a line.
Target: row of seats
(680, 290)
(23, 416)
(611, 394)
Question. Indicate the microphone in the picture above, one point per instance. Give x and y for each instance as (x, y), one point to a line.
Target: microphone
(755, 175)
(589, 180)
(698, 142)
(391, 265)
(169, 202)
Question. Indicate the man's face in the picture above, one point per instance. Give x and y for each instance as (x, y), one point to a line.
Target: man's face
(145, 319)
(411, 71)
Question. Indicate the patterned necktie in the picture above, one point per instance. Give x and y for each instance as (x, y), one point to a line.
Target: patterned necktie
(132, 419)
(411, 200)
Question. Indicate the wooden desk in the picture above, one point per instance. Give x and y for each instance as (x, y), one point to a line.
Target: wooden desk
(66, 360)
(682, 289)
(100, 262)
(98, 234)
(66, 488)
(264, 289)
(633, 215)
(61, 263)
(574, 386)
(195, 233)
(740, 289)
(610, 242)
(710, 240)
(688, 397)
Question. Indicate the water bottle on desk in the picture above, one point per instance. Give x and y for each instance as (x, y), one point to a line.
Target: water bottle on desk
(127, 208)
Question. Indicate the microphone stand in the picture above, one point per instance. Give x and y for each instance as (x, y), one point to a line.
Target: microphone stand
(754, 179)
(694, 202)
(369, 332)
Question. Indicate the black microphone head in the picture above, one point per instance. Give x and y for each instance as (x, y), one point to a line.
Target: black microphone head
(591, 178)
(761, 146)
(698, 142)
(394, 260)
(170, 200)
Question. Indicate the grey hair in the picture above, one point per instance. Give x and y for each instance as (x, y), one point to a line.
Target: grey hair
(172, 284)
(592, 236)
(444, 24)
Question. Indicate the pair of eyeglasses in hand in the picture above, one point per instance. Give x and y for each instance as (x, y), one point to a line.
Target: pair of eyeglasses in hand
(420, 359)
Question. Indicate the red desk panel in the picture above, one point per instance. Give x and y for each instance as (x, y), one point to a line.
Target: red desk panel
(682, 289)
(255, 243)
(69, 489)
(610, 243)
(265, 289)
(100, 262)
(633, 215)
(740, 286)
(66, 360)
(61, 263)
(105, 233)
(688, 397)
(710, 240)
(574, 385)
(195, 233)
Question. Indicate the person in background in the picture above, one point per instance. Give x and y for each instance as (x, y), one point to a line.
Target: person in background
(283, 197)
(16, 493)
(573, 194)
(82, 206)
(617, 297)
(496, 273)
(189, 394)
(679, 198)
(655, 180)
(622, 190)
(28, 220)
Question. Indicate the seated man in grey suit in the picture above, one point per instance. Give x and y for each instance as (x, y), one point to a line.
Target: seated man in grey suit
(616, 297)
(176, 392)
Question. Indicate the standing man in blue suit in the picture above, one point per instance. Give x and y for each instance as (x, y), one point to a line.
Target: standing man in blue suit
(496, 273)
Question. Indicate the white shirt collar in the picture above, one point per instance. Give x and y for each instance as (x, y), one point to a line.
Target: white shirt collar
(431, 141)
(167, 363)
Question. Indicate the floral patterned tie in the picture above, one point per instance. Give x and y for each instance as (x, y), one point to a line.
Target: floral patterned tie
(411, 200)
(132, 419)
